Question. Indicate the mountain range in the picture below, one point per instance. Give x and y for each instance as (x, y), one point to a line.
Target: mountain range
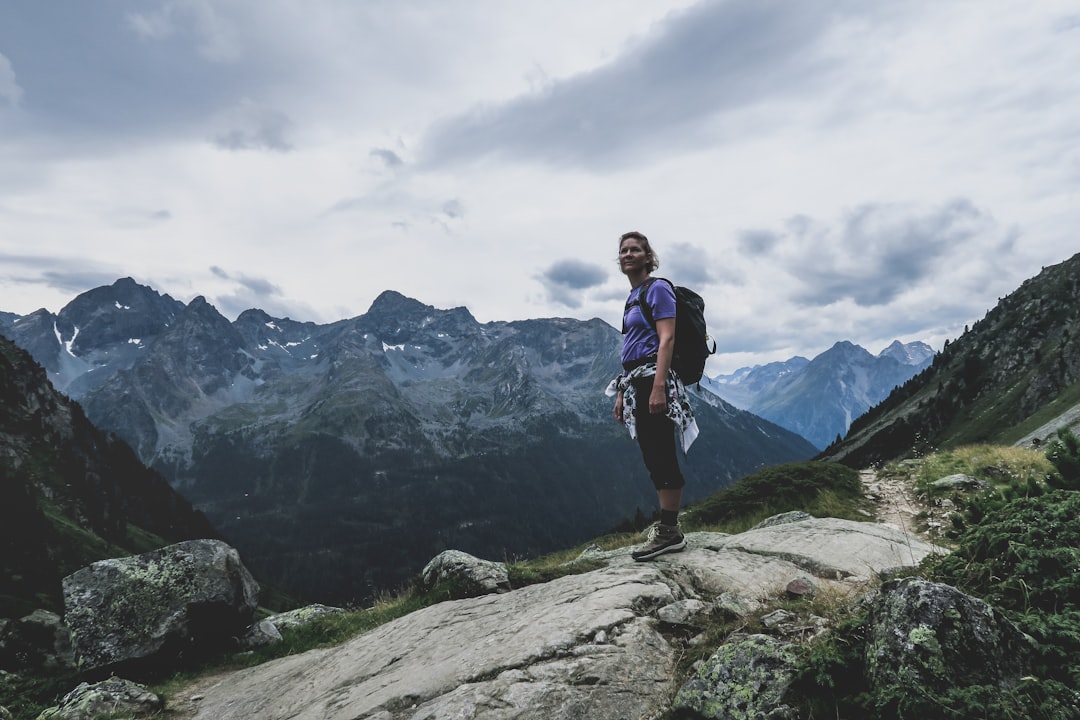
(820, 398)
(1012, 377)
(339, 457)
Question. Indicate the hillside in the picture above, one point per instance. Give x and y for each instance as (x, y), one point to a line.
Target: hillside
(1008, 375)
(70, 493)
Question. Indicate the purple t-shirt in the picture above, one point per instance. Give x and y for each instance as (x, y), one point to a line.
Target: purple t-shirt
(640, 339)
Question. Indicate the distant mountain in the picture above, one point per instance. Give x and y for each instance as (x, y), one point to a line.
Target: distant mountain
(70, 494)
(339, 458)
(819, 398)
(1012, 374)
(744, 385)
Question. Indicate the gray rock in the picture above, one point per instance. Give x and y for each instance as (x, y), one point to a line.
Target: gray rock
(683, 612)
(261, 634)
(777, 617)
(109, 698)
(471, 575)
(933, 636)
(783, 519)
(38, 641)
(960, 481)
(302, 616)
(743, 680)
(173, 603)
(734, 605)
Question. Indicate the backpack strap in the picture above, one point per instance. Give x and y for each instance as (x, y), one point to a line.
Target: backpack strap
(646, 311)
(639, 300)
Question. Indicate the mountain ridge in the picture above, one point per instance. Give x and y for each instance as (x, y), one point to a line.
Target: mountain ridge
(396, 433)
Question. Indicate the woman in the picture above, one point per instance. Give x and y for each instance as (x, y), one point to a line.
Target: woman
(649, 398)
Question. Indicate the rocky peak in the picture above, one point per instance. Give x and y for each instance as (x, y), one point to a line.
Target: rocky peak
(915, 353)
(115, 313)
(396, 318)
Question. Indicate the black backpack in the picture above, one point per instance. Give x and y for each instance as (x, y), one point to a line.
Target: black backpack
(692, 343)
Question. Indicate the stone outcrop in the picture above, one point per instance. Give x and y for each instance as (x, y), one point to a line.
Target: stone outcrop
(933, 636)
(598, 645)
(130, 614)
(469, 575)
(302, 616)
(110, 698)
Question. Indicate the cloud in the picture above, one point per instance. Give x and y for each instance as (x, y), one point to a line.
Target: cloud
(575, 274)
(388, 157)
(9, 87)
(253, 127)
(756, 243)
(663, 92)
(688, 264)
(255, 292)
(453, 209)
(876, 252)
(217, 36)
(565, 280)
(62, 276)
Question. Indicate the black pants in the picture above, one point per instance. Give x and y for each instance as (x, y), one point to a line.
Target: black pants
(656, 438)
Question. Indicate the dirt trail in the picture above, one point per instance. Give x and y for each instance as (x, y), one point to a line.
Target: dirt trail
(898, 504)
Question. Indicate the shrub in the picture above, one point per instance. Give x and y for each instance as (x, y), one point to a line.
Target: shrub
(1022, 559)
(1064, 453)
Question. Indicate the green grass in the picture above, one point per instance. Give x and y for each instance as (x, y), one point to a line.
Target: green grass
(1069, 398)
(819, 488)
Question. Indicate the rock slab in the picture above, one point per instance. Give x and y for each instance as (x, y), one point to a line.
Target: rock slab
(583, 646)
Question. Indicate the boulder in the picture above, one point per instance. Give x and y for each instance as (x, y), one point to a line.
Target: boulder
(742, 680)
(37, 642)
(261, 634)
(110, 698)
(960, 481)
(302, 616)
(470, 576)
(929, 635)
(170, 605)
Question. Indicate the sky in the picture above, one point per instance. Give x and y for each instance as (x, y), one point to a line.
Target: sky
(818, 171)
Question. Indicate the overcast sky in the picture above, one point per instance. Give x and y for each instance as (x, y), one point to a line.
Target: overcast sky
(818, 171)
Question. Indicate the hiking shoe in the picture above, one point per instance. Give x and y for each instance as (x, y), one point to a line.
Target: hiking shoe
(665, 539)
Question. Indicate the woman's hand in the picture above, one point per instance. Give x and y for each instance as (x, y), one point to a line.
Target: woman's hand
(618, 407)
(658, 400)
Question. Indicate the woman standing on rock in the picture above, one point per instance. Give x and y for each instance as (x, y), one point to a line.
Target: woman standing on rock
(649, 397)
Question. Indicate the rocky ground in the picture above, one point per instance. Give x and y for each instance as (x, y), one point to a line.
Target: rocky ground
(896, 504)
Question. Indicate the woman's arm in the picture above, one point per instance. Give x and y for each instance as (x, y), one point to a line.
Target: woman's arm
(665, 331)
